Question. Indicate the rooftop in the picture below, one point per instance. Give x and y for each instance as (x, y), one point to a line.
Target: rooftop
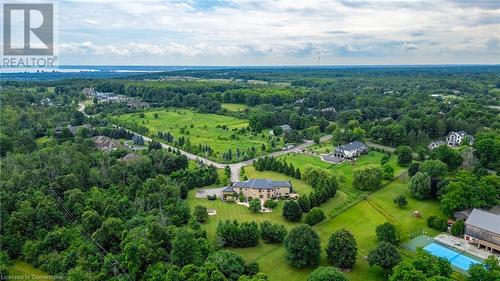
(351, 146)
(261, 184)
(484, 220)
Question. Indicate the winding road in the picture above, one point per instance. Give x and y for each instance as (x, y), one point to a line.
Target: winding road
(235, 167)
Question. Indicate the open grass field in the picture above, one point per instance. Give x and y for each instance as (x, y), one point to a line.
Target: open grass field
(21, 268)
(200, 128)
(234, 106)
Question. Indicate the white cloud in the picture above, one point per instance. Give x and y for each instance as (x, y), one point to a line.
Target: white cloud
(281, 29)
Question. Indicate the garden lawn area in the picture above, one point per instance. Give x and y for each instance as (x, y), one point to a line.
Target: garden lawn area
(361, 220)
(200, 128)
(21, 268)
(403, 218)
(300, 160)
(234, 106)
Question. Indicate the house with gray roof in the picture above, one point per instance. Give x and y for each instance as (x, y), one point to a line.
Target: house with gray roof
(263, 189)
(286, 129)
(435, 144)
(350, 150)
(483, 229)
(456, 138)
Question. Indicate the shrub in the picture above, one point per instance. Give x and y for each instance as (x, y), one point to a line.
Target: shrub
(437, 223)
(400, 201)
(212, 197)
(272, 233)
(326, 274)
(254, 205)
(316, 215)
(458, 228)
(200, 213)
(271, 204)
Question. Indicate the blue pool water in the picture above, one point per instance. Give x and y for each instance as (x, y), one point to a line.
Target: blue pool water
(456, 259)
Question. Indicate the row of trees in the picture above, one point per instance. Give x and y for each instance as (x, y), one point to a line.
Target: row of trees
(281, 166)
(247, 234)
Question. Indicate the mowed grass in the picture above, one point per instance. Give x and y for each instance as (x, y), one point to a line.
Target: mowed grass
(234, 106)
(408, 225)
(21, 268)
(200, 128)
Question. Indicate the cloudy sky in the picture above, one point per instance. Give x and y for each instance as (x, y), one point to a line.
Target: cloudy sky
(264, 32)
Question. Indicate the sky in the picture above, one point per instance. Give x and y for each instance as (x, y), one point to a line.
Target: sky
(265, 32)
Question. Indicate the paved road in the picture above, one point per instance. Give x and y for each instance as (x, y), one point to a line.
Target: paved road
(236, 167)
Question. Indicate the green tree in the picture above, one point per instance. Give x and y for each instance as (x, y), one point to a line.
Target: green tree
(434, 168)
(316, 215)
(227, 262)
(326, 274)
(255, 205)
(488, 270)
(200, 213)
(302, 246)
(184, 248)
(387, 232)
(458, 228)
(304, 203)
(422, 266)
(420, 186)
(292, 211)
(270, 204)
(368, 177)
(342, 249)
(384, 255)
(404, 154)
(387, 171)
(272, 233)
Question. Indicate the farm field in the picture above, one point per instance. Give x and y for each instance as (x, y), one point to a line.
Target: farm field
(234, 106)
(219, 132)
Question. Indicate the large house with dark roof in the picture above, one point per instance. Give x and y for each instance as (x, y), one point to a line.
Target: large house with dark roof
(263, 189)
(350, 150)
(483, 229)
(456, 138)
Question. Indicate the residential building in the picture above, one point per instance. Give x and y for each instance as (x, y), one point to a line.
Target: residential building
(286, 129)
(456, 138)
(435, 144)
(106, 143)
(483, 229)
(263, 189)
(350, 150)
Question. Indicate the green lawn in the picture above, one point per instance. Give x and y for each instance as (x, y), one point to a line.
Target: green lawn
(21, 268)
(234, 106)
(200, 128)
(359, 214)
(408, 225)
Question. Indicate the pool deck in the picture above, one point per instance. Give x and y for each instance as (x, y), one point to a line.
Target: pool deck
(462, 245)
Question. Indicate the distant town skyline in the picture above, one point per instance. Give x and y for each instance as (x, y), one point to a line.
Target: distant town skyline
(263, 32)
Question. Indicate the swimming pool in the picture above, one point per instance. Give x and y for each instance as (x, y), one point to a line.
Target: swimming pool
(456, 259)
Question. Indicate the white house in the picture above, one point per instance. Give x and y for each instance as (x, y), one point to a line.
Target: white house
(435, 144)
(456, 138)
(350, 150)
